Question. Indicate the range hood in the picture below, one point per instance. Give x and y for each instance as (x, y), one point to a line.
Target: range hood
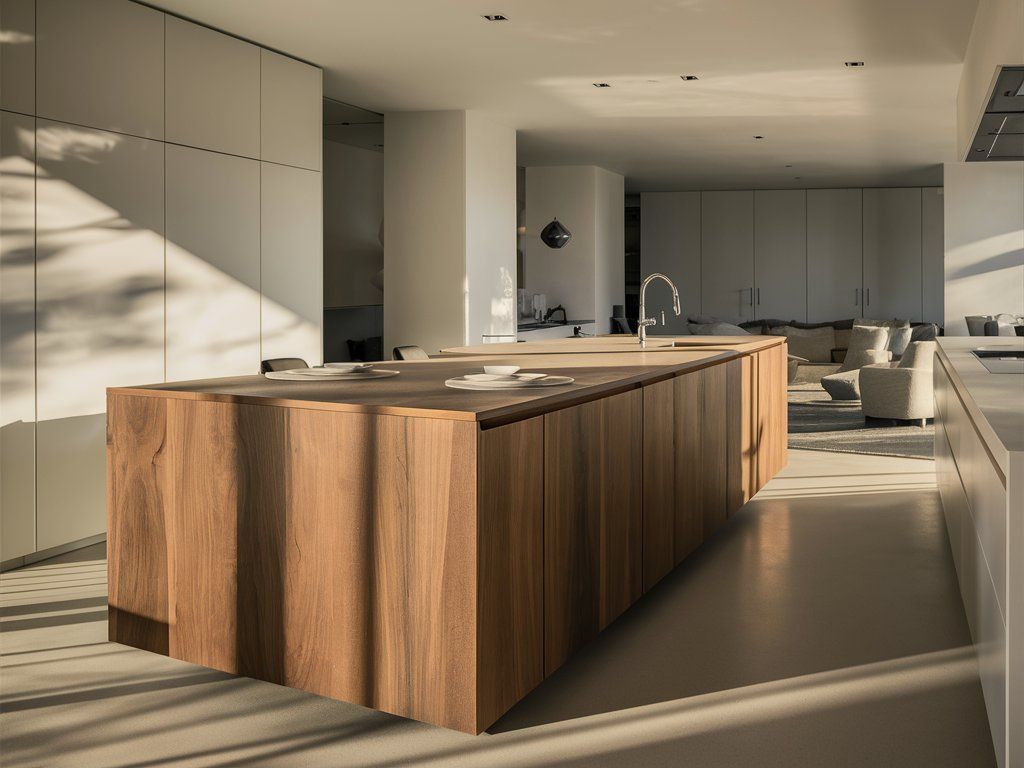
(1001, 133)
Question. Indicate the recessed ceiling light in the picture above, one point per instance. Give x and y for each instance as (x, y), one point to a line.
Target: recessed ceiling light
(854, 63)
(759, 137)
(495, 17)
(602, 85)
(789, 166)
(796, 178)
(688, 77)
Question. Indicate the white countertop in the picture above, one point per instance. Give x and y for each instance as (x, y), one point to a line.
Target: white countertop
(997, 397)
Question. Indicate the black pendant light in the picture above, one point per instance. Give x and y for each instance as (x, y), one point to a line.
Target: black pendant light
(554, 235)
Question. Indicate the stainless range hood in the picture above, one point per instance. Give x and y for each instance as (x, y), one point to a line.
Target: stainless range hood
(1001, 133)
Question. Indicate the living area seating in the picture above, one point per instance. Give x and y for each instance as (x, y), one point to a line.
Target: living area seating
(900, 390)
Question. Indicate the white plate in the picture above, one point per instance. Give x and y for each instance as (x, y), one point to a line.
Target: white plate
(376, 373)
(501, 370)
(512, 379)
(461, 382)
(349, 367)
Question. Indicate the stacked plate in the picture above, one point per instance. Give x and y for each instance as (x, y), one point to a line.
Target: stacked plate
(505, 381)
(332, 372)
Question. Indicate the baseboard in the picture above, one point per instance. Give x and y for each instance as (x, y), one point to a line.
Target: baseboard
(46, 554)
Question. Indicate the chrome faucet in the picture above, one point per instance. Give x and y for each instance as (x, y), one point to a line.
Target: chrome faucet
(646, 321)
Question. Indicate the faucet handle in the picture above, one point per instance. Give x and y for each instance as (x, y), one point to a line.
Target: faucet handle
(663, 317)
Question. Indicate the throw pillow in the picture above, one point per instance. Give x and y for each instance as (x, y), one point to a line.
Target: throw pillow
(898, 340)
(862, 339)
(814, 344)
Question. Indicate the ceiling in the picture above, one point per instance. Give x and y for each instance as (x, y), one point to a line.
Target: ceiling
(770, 68)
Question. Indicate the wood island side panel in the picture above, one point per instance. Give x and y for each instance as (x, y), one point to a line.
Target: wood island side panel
(660, 499)
(333, 552)
(689, 427)
(714, 449)
(592, 520)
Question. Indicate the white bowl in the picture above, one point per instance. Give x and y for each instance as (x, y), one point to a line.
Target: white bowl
(501, 370)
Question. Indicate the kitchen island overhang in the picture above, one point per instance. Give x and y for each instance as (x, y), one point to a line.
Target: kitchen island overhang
(424, 551)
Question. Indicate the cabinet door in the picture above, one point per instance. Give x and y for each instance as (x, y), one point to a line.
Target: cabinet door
(741, 431)
(99, 308)
(291, 115)
(772, 418)
(932, 255)
(213, 264)
(291, 259)
(101, 64)
(18, 56)
(17, 336)
(780, 254)
(727, 255)
(834, 256)
(213, 90)
(592, 520)
(892, 253)
(660, 500)
(670, 243)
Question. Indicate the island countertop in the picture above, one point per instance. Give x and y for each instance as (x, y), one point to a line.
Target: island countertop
(599, 366)
(995, 401)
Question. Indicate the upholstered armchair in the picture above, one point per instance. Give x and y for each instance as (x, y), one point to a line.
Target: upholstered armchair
(900, 390)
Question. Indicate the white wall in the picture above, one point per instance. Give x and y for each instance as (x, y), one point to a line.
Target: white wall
(984, 241)
(997, 39)
(353, 217)
(610, 247)
(490, 229)
(449, 229)
(141, 260)
(587, 275)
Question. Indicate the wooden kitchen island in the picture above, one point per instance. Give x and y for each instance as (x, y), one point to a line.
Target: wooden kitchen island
(425, 551)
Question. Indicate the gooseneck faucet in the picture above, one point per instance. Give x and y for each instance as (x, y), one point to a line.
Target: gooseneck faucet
(646, 321)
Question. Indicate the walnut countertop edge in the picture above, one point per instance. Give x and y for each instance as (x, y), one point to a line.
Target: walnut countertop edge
(420, 391)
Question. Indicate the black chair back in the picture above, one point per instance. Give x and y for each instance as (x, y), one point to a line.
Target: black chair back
(410, 352)
(282, 364)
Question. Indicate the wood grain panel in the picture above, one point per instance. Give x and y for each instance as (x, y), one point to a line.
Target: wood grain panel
(714, 449)
(592, 520)
(774, 422)
(659, 490)
(689, 427)
(510, 543)
(136, 535)
(741, 413)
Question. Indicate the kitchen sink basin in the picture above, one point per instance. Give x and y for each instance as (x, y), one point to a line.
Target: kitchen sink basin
(1000, 359)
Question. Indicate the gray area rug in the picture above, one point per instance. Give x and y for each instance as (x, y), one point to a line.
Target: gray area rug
(817, 423)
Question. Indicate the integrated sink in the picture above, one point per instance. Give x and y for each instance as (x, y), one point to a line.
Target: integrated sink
(1000, 359)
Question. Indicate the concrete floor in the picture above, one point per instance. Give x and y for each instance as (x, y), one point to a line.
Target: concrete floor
(822, 626)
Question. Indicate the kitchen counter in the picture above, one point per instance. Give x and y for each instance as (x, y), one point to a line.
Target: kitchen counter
(979, 453)
(430, 552)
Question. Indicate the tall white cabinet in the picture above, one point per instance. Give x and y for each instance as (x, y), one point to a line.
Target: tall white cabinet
(834, 254)
(130, 254)
(780, 254)
(892, 253)
(727, 255)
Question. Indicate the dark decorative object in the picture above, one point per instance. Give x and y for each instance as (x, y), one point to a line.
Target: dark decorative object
(554, 235)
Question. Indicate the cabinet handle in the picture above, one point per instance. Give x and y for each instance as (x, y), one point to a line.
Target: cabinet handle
(751, 295)
(867, 297)
(759, 297)
(856, 297)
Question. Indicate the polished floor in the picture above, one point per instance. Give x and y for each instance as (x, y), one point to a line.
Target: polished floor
(821, 627)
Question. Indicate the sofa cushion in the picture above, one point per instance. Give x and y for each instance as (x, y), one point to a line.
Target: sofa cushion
(716, 329)
(843, 338)
(924, 332)
(898, 340)
(814, 344)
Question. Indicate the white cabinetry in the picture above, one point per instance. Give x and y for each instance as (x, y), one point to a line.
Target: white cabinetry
(99, 308)
(213, 90)
(101, 64)
(892, 253)
(834, 254)
(292, 257)
(18, 56)
(932, 255)
(17, 336)
(291, 121)
(727, 255)
(780, 254)
(670, 244)
(213, 264)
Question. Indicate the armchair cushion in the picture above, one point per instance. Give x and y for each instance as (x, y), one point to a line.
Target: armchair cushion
(865, 342)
